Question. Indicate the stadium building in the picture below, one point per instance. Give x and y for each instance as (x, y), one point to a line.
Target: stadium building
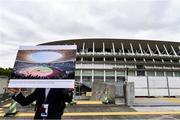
(153, 66)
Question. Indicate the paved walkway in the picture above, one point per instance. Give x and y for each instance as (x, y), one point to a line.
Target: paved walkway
(143, 108)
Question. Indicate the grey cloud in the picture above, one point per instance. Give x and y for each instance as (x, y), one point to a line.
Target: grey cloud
(33, 22)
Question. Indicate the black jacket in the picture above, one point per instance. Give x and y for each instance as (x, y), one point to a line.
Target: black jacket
(56, 100)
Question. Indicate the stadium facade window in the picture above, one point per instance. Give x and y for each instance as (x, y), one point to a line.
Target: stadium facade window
(130, 59)
(118, 50)
(140, 73)
(149, 60)
(120, 73)
(140, 66)
(177, 73)
(178, 52)
(87, 72)
(87, 59)
(110, 79)
(151, 73)
(90, 50)
(98, 73)
(98, 59)
(77, 72)
(120, 59)
(87, 79)
(78, 58)
(98, 50)
(158, 60)
(169, 73)
(171, 52)
(99, 78)
(108, 50)
(155, 51)
(159, 73)
(131, 73)
(109, 58)
(139, 59)
(175, 60)
(166, 60)
(110, 73)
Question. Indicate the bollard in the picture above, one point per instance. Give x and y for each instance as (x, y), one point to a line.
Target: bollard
(129, 93)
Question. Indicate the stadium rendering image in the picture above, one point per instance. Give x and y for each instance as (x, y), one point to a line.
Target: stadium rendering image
(153, 66)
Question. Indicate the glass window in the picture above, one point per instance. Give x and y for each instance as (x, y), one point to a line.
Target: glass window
(87, 73)
(110, 73)
(177, 74)
(77, 72)
(99, 78)
(98, 59)
(150, 73)
(110, 79)
(87, 59)
(120, 73)
(86, 78)
(159, 73)
(169, 74)
(98, 73)
(131, 73)
(140, 73)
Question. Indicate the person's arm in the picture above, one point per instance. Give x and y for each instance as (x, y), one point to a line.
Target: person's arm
(21, 99)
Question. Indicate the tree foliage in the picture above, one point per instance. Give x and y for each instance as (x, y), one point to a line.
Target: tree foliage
(6, 71)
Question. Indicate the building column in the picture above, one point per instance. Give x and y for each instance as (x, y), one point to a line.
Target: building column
(104, 70)
(81, 76)
(92, 75)
(147, 79)
(92, 69)
(167, 84)
(81, 71)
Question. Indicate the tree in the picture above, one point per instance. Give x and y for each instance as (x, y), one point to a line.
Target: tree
(6, 71)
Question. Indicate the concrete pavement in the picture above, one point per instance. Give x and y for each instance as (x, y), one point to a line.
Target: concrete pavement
(143, 108)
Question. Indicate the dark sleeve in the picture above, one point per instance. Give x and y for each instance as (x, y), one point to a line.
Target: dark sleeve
(68, 95)
(21, 99)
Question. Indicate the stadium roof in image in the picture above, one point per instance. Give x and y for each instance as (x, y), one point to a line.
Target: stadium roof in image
(152, 65)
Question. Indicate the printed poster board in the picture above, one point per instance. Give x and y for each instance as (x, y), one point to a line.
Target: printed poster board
(44, 67)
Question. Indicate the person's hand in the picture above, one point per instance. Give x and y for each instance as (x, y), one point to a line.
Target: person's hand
(13, 90)
(76, 84)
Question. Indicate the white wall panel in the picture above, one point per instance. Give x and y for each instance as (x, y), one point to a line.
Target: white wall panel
(174, 82)
(157, 82)
(158, 92)
(174, 92)
(141, 92)
(139, 82)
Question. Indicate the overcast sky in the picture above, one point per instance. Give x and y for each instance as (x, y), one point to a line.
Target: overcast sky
(30, 22)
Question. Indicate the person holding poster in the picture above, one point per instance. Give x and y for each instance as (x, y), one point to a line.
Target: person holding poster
(50, 102)
(51, 71)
